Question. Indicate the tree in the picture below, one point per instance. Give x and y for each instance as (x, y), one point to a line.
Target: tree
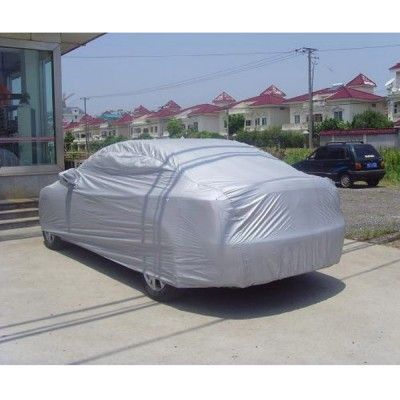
(371, 119)
(175, 128)
(68, 140)
(236, 123)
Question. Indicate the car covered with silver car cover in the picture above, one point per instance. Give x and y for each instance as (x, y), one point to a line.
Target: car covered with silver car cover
(196, 213)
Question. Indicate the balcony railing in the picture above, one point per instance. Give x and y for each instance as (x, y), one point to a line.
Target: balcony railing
(295, 127)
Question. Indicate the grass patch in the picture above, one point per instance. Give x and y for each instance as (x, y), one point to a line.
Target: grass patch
(364, 234)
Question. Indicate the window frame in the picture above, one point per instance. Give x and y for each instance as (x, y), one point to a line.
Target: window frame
(338, 112)
(57, 107)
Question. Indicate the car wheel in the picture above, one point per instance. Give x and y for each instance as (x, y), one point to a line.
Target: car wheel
(373, 182)
(52, 241)
(158, 290)
(345, 181)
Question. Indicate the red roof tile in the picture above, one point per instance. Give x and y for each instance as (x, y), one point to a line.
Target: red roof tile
(140, 111)
(71, 125)
(223, 98)
(125, 119)
(304, 97)
(91, 120)
(349, 93)
(361, 80)
(336, 93)
(167, 110)
(264, 100)
(396, 66)
(274, 91)
(204, 109)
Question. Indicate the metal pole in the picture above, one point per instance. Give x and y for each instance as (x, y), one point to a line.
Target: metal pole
(227, 124)
(310, 104)
(309, 52)
(86, 124)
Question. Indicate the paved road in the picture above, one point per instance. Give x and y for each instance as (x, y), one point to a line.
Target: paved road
(77, 308)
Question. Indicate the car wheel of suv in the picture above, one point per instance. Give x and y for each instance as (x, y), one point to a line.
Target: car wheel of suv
(52, 241)
(373, 182)
(345, 181)
(158, 290)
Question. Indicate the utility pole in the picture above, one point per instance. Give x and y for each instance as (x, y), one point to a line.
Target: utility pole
(310, 52)
(227, 124)
(86, 124)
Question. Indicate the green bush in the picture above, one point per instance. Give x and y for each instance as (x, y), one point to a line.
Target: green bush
(145, 136)
(331, 124)
(272, 137)
(204, 135)
(371, 119)
(391, 157)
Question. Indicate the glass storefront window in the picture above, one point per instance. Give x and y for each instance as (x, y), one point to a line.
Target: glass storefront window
(27, 129)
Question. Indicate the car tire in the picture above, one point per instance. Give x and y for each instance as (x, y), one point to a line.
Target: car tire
(373, 182)
(52, 242)
(158, 290)
(345, 181)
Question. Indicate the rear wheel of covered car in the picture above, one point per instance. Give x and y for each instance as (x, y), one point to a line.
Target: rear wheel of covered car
(373, 182)
(52, 242)
(345, 181)
(158, 290)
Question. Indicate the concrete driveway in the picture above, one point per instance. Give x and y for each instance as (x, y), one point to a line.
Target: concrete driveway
(74, 307)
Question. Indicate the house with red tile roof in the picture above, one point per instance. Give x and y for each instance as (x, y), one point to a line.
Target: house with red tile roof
(263, 111)
(154, 122)
(200, 117)
(204, 117)
(341, 101)
(393, 99)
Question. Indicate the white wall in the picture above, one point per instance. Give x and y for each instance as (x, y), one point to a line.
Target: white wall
(389, 140)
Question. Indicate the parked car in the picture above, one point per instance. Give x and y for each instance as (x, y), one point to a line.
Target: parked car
(195, 213)
(345, 163)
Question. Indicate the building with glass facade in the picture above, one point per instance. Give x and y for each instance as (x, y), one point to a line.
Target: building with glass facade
(31, 135)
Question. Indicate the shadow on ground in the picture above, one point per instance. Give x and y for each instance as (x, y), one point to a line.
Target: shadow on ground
(257, 301)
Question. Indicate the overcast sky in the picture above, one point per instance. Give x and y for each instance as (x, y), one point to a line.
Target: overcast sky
(101, 76)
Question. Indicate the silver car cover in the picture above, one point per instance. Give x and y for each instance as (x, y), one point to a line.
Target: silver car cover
(197, 212)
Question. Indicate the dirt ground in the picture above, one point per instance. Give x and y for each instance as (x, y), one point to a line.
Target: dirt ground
(375, 210)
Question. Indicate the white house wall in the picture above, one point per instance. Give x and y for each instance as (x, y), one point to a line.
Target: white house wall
(349, 110)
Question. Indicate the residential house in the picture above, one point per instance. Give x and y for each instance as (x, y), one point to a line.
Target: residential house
(393, 88)
(140, 124)
(94, 128)
(208, 117)
(263, 111)
(72, 114)
(123, 125)
(155, 123)
(340, 101)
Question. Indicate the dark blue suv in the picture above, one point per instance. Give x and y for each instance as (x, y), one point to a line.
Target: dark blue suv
(345, 163)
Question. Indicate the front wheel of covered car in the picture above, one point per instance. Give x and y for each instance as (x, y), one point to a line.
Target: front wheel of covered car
(159, 290)
(52, 241)
(345, 181)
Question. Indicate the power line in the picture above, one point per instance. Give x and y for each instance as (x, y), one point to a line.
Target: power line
(360, 48)
(201, 78)
(179, 55)
(224, 54)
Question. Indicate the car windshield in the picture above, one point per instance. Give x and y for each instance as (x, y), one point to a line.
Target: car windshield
(365, 151)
